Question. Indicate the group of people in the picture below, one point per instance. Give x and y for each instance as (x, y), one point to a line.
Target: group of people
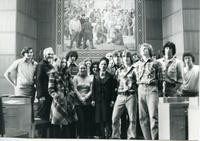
(90, 99)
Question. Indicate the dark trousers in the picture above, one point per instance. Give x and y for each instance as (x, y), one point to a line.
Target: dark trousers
(43, 112)
(124, 125)
(63, 131)
(104, 129)
(85, 121)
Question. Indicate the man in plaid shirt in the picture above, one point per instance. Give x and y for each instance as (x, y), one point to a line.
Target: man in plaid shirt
(149, 80)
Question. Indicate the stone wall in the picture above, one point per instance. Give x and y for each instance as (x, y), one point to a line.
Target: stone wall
(7, 40)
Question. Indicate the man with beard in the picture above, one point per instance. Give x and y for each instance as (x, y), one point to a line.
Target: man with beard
(42, 80)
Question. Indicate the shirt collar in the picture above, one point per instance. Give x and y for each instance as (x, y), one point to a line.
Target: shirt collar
(173, 58)
(69, 64)
(149, 59)
(25, 60)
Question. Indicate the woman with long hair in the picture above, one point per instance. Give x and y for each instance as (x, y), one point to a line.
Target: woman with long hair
(63, 115)
(83, 88)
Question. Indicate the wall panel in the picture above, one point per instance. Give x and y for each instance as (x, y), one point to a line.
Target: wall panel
(169, 7)
(172, 24)
(8, 21)
(7, 5)
(7, 43)
(7, 40)
(26, 25)
(191, 4)
(153, 15)
(191, 19)
(5, 61)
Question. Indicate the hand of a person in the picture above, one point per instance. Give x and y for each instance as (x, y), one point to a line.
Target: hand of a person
(42, 99)
(93, 103)
(112, 103)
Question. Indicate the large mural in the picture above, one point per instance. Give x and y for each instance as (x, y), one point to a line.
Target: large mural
(99, 24)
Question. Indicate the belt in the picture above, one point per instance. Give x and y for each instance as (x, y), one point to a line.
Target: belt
(126, 93)
(151, 84)
(187, 93)
(167, 84)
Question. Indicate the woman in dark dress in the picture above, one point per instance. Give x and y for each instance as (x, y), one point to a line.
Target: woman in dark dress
(103, 95)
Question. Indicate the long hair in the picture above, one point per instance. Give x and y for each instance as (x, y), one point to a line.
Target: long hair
(149, 46)
(171, 45)
(128, 54)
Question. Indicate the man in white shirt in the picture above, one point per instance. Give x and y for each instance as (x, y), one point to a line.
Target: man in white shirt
(190, 76)
(23, 70)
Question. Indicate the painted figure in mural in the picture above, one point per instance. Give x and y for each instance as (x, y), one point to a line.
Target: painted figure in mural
(117, 39)
(74, 29)
(101, 33)
(87, 30)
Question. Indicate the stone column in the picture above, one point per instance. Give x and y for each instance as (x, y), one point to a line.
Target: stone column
(7, 41)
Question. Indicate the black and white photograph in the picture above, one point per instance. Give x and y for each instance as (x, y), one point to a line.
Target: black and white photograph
(99, 70)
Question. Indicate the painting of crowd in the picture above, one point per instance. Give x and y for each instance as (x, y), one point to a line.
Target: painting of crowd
(88, 27)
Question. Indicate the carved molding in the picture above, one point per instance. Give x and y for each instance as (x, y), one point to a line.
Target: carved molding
(140, 22)
(59, 24)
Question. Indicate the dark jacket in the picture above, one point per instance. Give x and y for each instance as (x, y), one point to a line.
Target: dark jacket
(42, 79)
(103, 93)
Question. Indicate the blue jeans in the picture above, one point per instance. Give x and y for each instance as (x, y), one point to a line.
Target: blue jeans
(148, 111)
(122, 102)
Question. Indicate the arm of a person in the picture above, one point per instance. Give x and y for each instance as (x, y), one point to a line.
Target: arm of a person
(75, 82)
(9, 71)
(7, 75)
(52, 85)
(39, 79)
(93, 93)
(160, 78)
(179, 78)
(179, 73)
(114, 87)
(90, 92)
